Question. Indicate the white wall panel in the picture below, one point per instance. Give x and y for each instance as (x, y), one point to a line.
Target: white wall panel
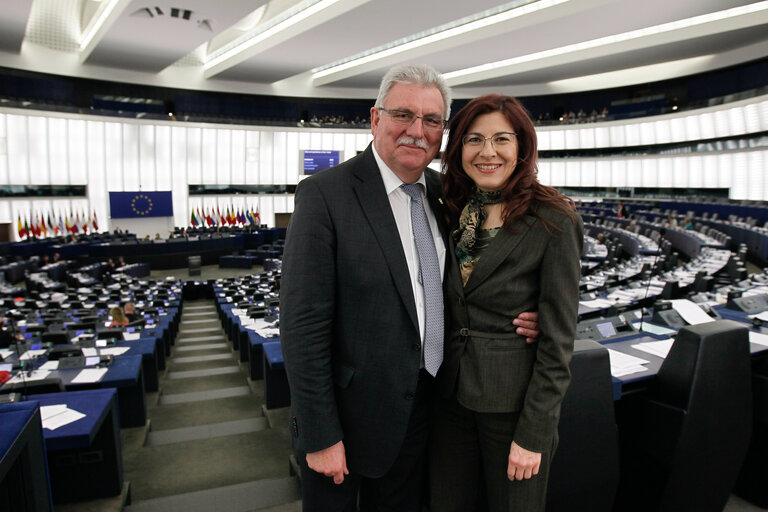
(545, 167)
(163, 170)
(97, 176)
(77, 144)
(58, 158)
(280, 158)
(223, 156)
(238, 156)
(3, 149)
(208, 157)
(38, 152)
(131, 157)
(740, 173)
(147, 158)
(557, 173)
(588, 173)
(680, 172)
(252, 142)
(266, 158)
(113, 156)
(665, 170)
(634, 172)
(18, 151)
(757, 174)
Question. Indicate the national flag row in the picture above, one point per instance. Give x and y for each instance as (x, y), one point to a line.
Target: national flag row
(230, 217)
(39, 225)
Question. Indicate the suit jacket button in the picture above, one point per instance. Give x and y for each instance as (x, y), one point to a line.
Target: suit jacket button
(464, 331)
(409, 396)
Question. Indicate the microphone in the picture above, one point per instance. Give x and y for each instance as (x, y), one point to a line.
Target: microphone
(662, 234)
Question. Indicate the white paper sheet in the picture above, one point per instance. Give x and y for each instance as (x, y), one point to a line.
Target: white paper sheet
(131, 336)
(760, 339)
(90, 352)
(30, 354)
(89, 375)
(58, 418)
(690, 312)
(29, 376)
(657, 348)
(762, 316)
(268, 332)
(50, 365)
(4, 352)
(114, 351)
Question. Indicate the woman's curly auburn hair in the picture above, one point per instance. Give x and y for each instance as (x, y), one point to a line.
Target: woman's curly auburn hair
(523, 190)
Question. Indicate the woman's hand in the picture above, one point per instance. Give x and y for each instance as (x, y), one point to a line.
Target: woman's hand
(527, 325)
(522, 463)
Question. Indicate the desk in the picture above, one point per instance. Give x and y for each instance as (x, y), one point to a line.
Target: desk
(24, 484)
(125, 374)
(85, 457)
(276, 391)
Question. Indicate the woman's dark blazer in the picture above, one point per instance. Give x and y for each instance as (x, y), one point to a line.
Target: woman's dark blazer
(488, 366)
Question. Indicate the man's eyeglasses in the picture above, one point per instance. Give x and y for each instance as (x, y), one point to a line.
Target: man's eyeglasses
(405, 118)
(499, 140)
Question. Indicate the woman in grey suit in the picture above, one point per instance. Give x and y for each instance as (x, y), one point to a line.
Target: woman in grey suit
(516, 246)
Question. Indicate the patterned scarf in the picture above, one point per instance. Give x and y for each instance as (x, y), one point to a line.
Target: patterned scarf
(470, 239)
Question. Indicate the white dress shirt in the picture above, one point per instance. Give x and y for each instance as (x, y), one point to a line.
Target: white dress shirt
(401, 209)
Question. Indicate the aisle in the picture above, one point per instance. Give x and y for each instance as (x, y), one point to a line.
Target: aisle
(208, 445)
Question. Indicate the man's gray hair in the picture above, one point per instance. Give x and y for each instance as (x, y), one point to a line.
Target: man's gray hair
(416, 74)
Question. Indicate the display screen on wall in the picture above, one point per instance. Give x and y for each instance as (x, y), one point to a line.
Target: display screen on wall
(318, 160)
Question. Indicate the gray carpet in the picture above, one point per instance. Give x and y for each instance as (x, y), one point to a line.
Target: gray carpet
(209, 441)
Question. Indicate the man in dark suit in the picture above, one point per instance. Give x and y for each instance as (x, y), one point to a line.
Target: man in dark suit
(352, 314)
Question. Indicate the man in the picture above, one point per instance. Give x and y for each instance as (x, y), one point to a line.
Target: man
(353, 318)
(130, 312)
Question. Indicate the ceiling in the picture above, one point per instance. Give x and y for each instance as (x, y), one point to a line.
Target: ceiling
(341, 48)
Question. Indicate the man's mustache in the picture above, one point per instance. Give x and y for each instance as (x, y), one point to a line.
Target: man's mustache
(411, 141)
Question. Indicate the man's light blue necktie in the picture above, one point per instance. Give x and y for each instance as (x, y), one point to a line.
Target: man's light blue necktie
(429, 277)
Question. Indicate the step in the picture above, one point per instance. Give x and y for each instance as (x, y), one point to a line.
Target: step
(200, 359)
(245, 497)
(199, 307)
(199, 321)
(228, 428)
(192, 339)
(199, 396)
(205, 346)
(201, 313)
(196, 331)
(202, 373)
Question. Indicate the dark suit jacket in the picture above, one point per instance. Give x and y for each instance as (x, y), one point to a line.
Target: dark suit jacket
(491, 368)
(348, 322)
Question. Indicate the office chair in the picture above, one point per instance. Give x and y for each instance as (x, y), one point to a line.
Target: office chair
(55, 337)
(585, 469)
(684, 441)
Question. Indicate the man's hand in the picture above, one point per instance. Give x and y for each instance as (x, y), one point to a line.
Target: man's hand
(528, 325)
(331, 461)
(522, 463)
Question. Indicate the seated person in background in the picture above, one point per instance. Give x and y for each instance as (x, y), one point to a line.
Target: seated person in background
(688, 223)
(130, 312)
(118, 318)
(157, 236)
(121, 262)
(56, 257)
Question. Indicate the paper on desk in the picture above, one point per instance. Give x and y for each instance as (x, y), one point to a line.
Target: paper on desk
(657, 348)
(29, 354)
(268, 332)
(625, 364)
(90, 352)
(58, 417)
(690, 312)
(761, 316)
(89, 375)
(4, 352)
(114, 351)
(50, 365)
(758, 338)
(30, 376)
(131, 336)
(597, 303)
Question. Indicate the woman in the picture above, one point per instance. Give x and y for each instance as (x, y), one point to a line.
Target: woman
(517, 244)
(118, 318)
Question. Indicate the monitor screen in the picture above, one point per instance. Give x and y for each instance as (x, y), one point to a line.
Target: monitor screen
(317, 160)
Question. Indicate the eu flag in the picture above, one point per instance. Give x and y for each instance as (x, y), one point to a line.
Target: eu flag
(136, 205)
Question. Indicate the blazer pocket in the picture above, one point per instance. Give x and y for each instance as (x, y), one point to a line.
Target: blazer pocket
(342, 374)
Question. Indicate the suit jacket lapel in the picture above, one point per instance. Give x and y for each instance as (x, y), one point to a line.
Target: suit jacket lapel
(369, 188)
(497, 251)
